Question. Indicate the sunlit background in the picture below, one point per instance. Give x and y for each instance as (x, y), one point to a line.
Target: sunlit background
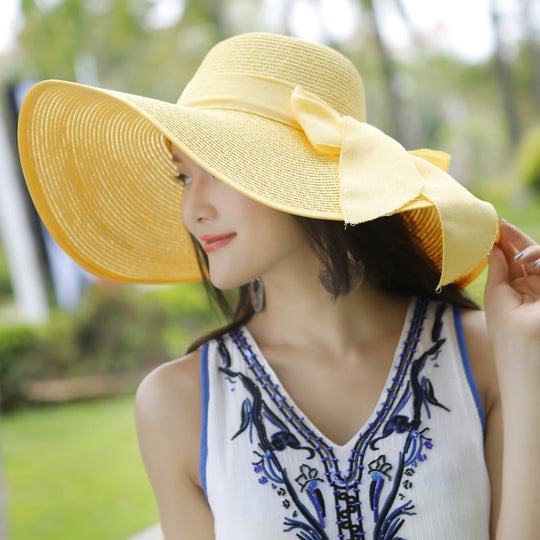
(461, 76)
(461, 28)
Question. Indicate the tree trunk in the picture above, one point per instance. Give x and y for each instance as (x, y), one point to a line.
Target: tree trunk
(409, 24)
(504, 78)
(3, 532)
(389, 74)
(532, 42)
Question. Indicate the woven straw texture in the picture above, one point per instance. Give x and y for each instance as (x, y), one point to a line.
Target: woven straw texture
(99, 170)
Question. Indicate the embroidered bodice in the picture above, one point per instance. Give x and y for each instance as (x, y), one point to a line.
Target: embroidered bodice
(414, 471)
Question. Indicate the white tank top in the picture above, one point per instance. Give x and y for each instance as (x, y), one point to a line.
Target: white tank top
(415, 470)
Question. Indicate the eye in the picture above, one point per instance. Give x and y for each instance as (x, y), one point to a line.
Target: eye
(183, 179)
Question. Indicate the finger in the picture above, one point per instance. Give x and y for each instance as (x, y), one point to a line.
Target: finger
(529, 257)
(498, 271)
(520, 250)
(515, 236)
(512, 255)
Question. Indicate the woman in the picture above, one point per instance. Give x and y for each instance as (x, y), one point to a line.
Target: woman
(357, 392)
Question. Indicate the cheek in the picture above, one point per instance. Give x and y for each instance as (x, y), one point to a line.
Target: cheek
(183, 215)
(186, 213)
(275, 231)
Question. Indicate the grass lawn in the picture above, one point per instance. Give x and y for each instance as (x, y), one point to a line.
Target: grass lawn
(74, 472)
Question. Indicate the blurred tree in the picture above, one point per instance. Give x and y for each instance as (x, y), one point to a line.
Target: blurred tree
(130, 45)
(2, 502)
(113, 43)
(403, 122)
(409, 24)
(532, 46)
(212, 12)
(504, 77)
(425, 96)
(389, 73)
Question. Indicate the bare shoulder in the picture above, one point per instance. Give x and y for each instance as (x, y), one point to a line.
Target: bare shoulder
(168, 412)
(474, 325)
(168, 416)
(173, 383)
(481, 356)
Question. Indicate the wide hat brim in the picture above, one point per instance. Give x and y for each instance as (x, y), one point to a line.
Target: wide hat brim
(98, 164)
(99, 170)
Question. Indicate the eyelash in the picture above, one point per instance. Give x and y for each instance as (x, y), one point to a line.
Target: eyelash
(181, 178)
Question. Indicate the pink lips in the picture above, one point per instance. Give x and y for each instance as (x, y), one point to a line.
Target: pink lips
(211, 242)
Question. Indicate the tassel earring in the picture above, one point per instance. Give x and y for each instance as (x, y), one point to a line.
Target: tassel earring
(356, 277)
(356, 274)
(256, 294)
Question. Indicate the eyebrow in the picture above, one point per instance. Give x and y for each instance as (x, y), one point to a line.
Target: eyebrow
(176, 159)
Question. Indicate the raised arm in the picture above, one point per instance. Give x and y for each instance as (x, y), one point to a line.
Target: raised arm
(168, 415)
(512, 301)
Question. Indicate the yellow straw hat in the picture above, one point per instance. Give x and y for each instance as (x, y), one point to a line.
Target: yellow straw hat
(279, 119)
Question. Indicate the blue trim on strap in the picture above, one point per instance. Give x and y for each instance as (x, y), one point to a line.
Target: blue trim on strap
(205, 392)
(467, 367)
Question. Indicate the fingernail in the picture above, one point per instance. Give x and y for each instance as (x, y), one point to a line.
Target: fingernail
(504, 220)
(518, 255)
(535, 263)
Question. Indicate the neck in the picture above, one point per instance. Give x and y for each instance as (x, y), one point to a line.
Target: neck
(300, 311)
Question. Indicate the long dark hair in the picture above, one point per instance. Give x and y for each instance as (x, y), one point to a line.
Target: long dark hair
(393, 262)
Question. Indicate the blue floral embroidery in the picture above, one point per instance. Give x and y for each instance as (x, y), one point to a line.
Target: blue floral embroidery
(389, 478)
(379, 467)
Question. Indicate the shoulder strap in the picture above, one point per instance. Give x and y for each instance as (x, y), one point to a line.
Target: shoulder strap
(205, 393)
(460, 335)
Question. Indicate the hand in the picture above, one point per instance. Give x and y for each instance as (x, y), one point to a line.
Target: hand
(512, 300)
(512, 295)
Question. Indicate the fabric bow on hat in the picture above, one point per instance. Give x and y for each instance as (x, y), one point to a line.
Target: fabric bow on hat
(379, 177)
(279, 119)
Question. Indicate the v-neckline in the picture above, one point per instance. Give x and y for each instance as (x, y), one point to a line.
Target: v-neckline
(271, 378)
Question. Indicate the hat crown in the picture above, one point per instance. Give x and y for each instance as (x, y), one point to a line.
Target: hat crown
(276, 118)
(319, 69)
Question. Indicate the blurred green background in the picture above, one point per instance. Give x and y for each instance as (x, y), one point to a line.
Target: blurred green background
(70, 466)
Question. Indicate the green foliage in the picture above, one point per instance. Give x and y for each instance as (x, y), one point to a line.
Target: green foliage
(513, 203)
(16, 365)
(446, 104)
(528, 159)
(112, 40)
(74, 472)
(116, 330)
(5, 280)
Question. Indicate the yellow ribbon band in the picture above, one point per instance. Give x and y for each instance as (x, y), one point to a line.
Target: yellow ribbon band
(377, 175)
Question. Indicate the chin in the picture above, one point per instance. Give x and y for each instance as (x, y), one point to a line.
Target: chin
(225, 283)
(232, 273)
(226, 287)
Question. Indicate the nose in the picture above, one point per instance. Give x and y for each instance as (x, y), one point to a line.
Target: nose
(197, 203)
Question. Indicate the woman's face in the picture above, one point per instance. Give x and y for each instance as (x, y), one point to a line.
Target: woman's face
(242, 238)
